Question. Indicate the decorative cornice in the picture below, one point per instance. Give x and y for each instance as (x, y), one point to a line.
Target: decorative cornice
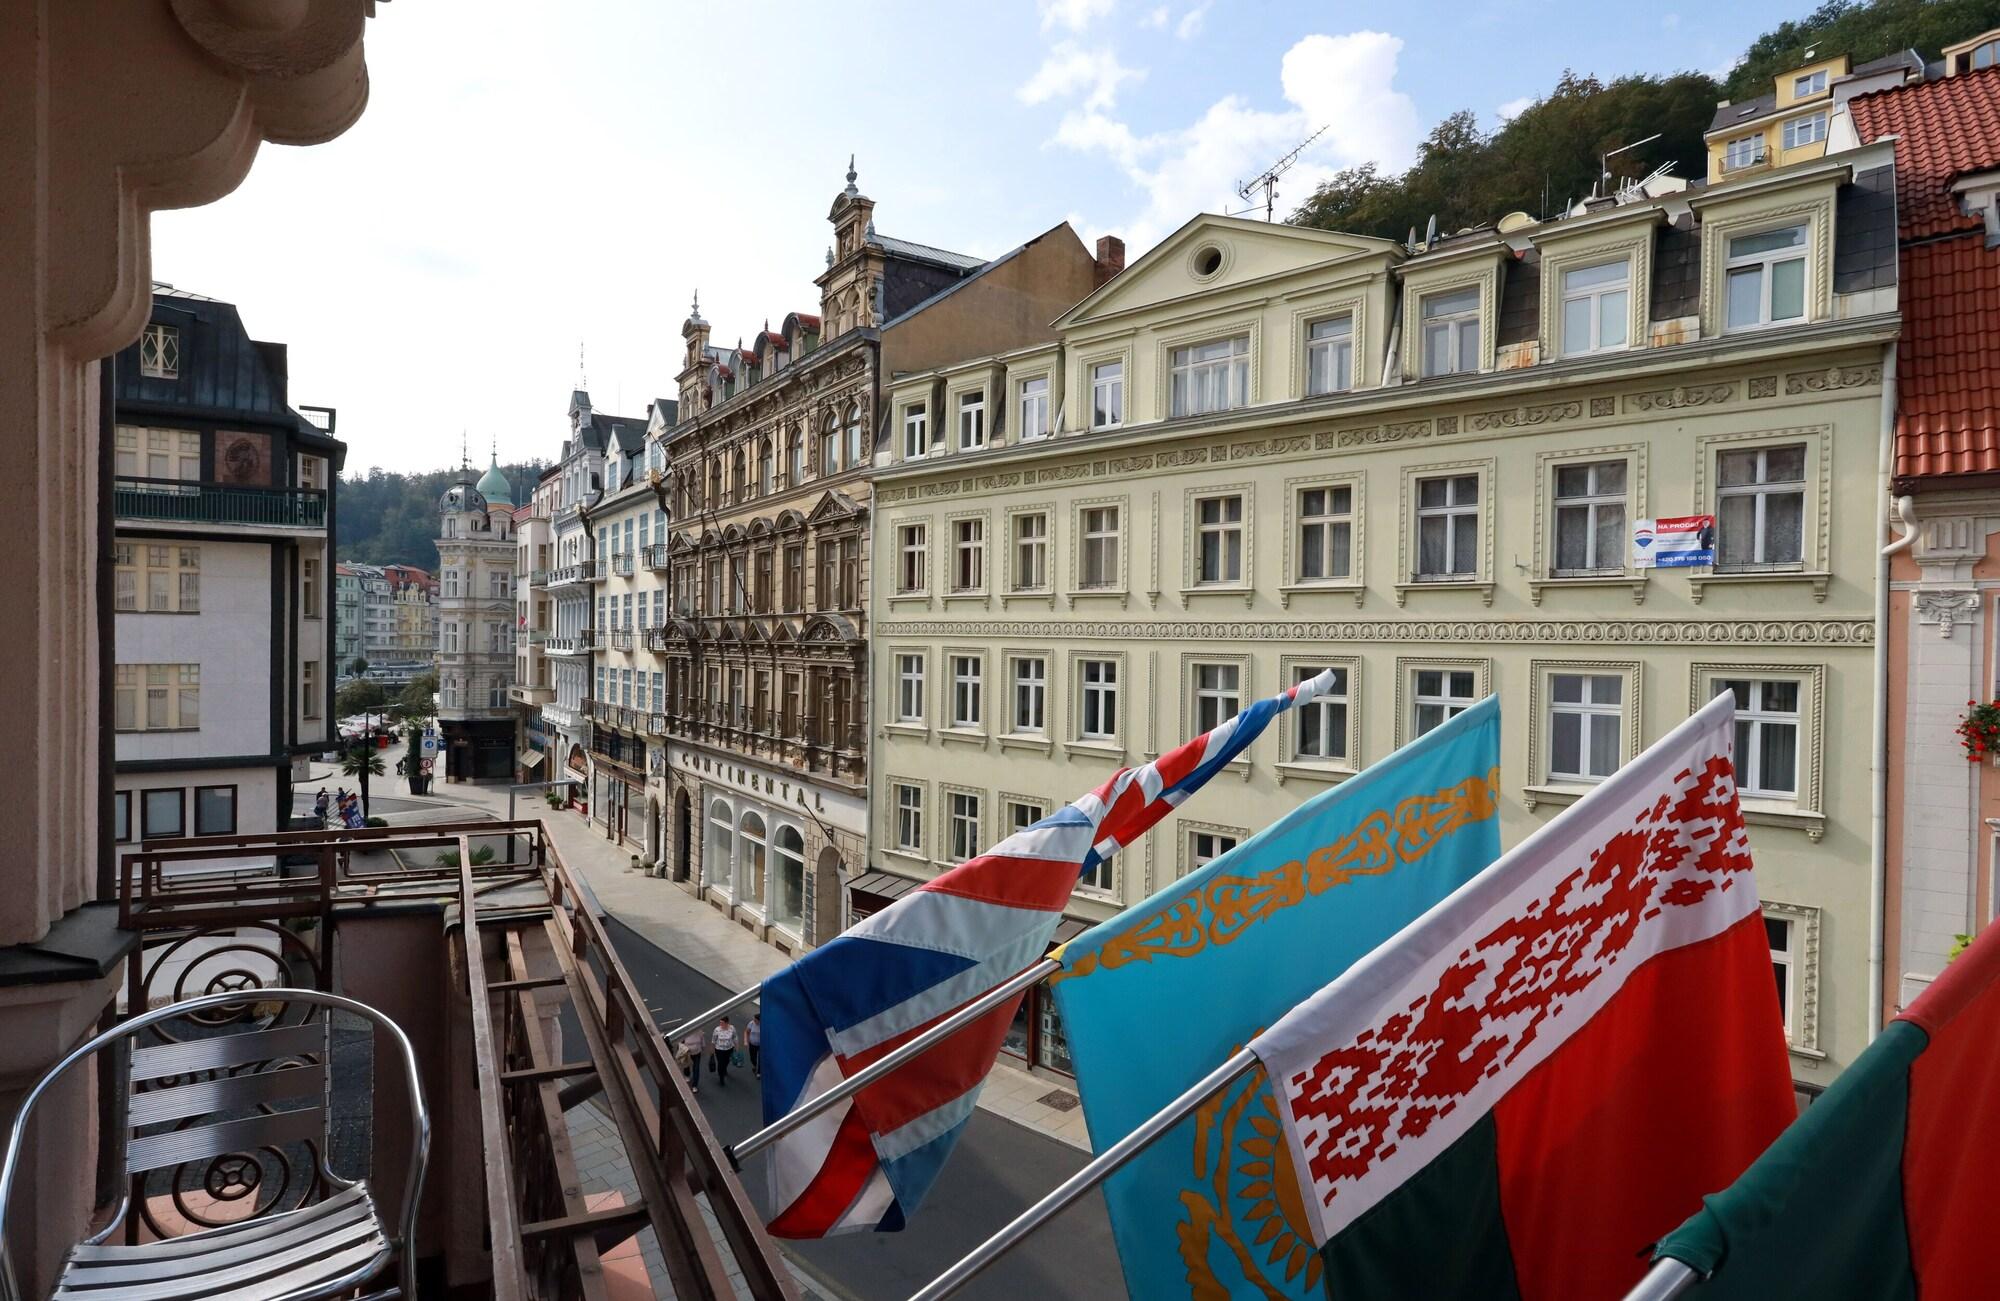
(1635, 632)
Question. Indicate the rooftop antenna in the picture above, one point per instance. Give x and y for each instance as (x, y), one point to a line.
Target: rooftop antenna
(1604, 161)
(582, 381)
(1267, 181)
(464, 451)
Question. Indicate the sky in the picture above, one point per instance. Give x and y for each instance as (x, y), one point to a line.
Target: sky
(538, 194)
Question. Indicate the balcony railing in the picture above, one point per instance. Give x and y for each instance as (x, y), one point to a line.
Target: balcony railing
(1743, 164)
(569, 575)
(596, 571)
(656, 557)
(538, 578)
(579, 643)
(176, 501)
(621, 564)
(620, 639)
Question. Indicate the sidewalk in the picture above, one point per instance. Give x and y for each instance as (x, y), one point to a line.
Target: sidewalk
(700, 936)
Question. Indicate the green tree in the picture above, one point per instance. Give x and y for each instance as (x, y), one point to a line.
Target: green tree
(415, 699)
(359, 697)
(362, 761)
(359, 666)
(1862, 30)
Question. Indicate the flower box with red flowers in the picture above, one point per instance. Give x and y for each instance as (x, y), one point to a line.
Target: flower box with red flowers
(1979, 730)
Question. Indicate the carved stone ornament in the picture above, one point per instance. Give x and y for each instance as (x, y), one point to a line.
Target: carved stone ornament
(1947, 609)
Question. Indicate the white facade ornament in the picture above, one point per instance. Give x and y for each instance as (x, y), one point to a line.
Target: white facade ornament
(1946, 609)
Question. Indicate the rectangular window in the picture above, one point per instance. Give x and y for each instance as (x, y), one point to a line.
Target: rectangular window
(1210, 377)
(1447, 527)
(1766, 278)
(1035, 407)
(909, 688)
(1320, 728)
(156, 697)
(160, 352)
(964, 826)
(795, 577)
(1022, 814)
(1451, 332)
(215, 810)
(1812, 83)
(1217, 695)
(967, 678)
(826, 581)
(1098, 698)
(1767, 736)
(1219, 539)
(850, 573)
(1440, 694)
(1031, 680)
(161, 813)
(1586, 714)
(762, 572)
(309, 588)
(1760, 502)
(1596, 307)
(157, 578)
(1590, 519)
(1330, 356)
(1031, 552)
(1744, 151)
(909, 818)
(916, 430)
(1326, 533)
(1107, 394)
(968, 555)
(910, 558)
(1204, 847)
(1807, 130)
(1778, 932)
(1099, 555)
(121, 816)
(309, 688)
(971, 421)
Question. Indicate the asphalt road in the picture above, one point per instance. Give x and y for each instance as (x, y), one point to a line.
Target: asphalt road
(998, 1170)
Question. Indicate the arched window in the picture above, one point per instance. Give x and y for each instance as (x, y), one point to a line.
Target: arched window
(764, 467)
(854, 439)
(798, 458)
(751, 834)
(829, 446)
(714, 482)
(788, 901)
(716, 856)
(738, 482)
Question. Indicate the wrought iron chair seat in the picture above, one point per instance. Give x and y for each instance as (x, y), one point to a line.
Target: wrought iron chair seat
(314, 1252)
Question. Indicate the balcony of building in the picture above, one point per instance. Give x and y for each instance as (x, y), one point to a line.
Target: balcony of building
(178, 502)
(538, 578)
(838, 750)
(570, 575)
(531, 693)
(560, 716)
(621, 564)
(619, 639)
(656, 557)
(610, 714)
(477, 943)
(570, 643)
(596, 571)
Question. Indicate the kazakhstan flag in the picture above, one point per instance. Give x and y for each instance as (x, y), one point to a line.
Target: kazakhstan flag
(1155, 998)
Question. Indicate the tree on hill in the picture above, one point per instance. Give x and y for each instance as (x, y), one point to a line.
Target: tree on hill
(1863, 30)
(386, 517)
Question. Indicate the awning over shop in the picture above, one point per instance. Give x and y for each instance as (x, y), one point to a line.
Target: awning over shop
(529, 758)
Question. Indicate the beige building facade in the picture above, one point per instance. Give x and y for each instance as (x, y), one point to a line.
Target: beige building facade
(1263, 451)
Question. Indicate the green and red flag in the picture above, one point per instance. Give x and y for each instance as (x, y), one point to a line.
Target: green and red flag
(1884, 1187)
(1520, 1092)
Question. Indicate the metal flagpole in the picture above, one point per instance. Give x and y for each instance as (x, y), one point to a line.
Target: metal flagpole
(875, 1070)
(1096, 1172)
(729, 1004)
(1667, 1278)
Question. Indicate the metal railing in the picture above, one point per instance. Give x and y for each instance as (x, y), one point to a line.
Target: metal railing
(568, 575)
(576, 643)
(177, 501)
(621, 639)
(656, 556)
(621, 564)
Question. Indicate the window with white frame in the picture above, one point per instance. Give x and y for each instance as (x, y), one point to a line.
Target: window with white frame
(1765, 278)
(910, 687)
(1586, 719)
(1781, 933)
(1589, 518)
(1760, 507)
(1319, 727)
(1450, 332)
(1031, 551)
(964, 826)
(1983, 55)
(1022, 814)
(967, 678)
(857, 442)
(1035, 407)
(1030, 692)
(916, 430)
(160, 352)
(1209, 377)
(972, 420)
(1098, 553)
(1097, 698)
(1767, 735)
(1596, 307)
(1330, 356)
(1440, 694)
(1204, 847)
(1744, 151)
(1807, 130)
(1447, 527)
(909, 818)
(912, 551)
(1217, 695)
(968, 552)
(1325, 533)
(158, 453)
(1107, 394)
(1218, 539)
(1809, 84)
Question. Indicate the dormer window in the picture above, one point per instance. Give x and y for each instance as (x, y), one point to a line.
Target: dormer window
(1451, 332)
(1330, 356)
(972, 420)
(1808, 85)
(1035, 407)
(1210, 377)
(1766, 278)
(916, 433)
(1596, 307)
(1807, 130)
(160, 352)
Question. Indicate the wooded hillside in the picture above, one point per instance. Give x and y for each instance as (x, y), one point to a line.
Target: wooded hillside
(385, 517)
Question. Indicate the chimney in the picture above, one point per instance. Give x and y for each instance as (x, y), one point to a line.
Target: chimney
(1110, 258)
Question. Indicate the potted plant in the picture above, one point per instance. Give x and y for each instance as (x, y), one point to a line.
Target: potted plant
(1979, 730)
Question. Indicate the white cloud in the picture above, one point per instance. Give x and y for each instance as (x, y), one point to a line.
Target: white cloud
(1513, 108)
(1156, 19)
(1069, 69)
(1191, 21)
(1075, 15)
(1345, 83)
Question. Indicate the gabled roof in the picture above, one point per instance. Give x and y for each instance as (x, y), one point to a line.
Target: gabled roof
(1743, 112)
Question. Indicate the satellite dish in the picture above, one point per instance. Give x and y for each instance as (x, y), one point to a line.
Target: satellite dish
(1514, 221)
(1431, 231)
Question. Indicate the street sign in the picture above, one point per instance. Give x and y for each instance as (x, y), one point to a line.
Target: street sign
(1673, 543)
(429, 743)
(427, 765)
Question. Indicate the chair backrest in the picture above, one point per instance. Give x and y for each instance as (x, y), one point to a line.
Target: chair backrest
(199, 1099)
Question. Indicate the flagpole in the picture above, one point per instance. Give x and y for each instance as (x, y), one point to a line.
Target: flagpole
(1100, 1168)
(1667, 1278)
(875, 1070)
(729, 1004)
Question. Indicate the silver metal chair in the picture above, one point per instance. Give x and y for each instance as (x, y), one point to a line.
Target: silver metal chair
(221, 1099)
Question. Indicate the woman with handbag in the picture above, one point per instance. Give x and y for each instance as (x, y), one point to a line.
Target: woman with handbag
(724, 1041)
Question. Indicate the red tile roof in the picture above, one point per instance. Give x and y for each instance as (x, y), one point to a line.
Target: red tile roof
(1948, 363)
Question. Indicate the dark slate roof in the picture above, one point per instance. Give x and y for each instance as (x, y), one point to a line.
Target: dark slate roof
(1745, 111)
(1520, 300)
(1906, 59)
(1676, 287)
(1864, 232)
(915, 252)
(221, 367)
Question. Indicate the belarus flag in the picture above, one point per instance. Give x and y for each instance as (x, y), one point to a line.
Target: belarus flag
(1539, 1077)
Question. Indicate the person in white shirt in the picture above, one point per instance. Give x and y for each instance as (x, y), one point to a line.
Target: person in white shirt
(688, 1052)
(723, 1042)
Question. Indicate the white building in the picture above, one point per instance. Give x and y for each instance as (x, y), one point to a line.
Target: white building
(475, 653)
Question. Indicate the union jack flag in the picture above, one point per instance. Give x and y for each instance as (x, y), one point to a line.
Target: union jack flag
(868, 1162)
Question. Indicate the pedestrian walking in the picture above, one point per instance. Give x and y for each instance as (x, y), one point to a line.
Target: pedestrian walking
(753, 1039)
(688, 1052)
(724, 1041)
(320, 803)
